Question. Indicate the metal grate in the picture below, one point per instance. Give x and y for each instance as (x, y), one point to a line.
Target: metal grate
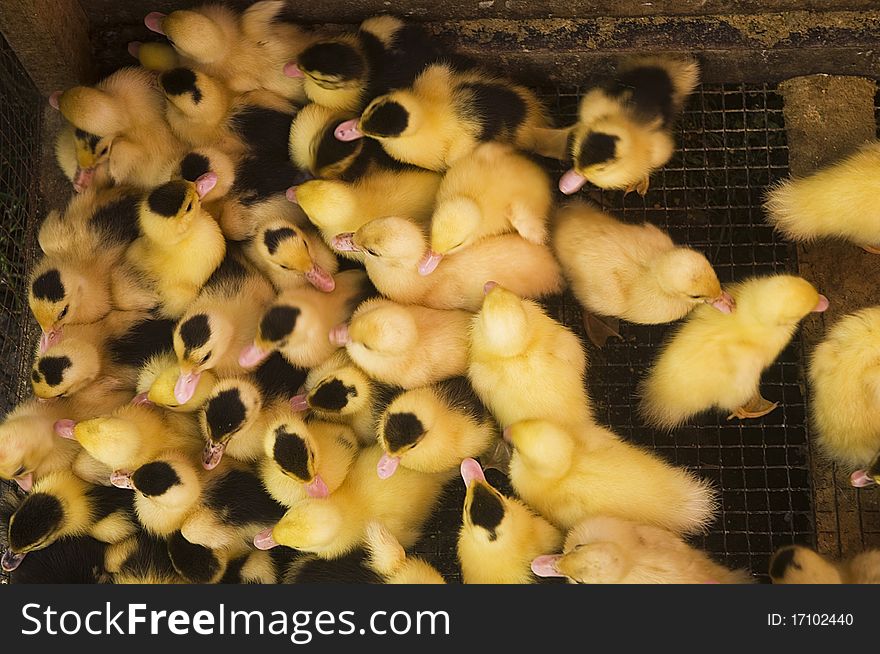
(20, 133)
(732, 145)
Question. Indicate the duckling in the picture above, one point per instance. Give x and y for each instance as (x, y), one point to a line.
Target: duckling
(347, 71)
(175, 228)
(513, 339)
(339, 391)
(492, 191)
(845, 379)
(389, 559)
(567, 476)
(83, 275)
(352, 568)
(250, 191)
(247, 51)
(292, 256)
(796, 564)
(154, 56)
(634, 272)
(255, 567)
(431, 429)
(141, 559)
(405, 345)
(238, 411)
(716, 359)
(132, 435)
(396, 256)
(306, 460)
(298, 324)
(119, 132)
(606, 550)
(315, 148)
(624, 128)
(67, 561)
(223, 319)
(833, 202)
(29, 448)
(499, 535)
(445, 114)
(336, 207)
(61, 505)
(332, 527)
(158, 378)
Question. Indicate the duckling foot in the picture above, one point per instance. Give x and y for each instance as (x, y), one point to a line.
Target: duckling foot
(871, 249)
(640, 187)
(498, 456)
(599, 330)
(756, 407)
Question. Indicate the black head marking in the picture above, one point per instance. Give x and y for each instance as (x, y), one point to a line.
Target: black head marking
(35, 376)
(193, 166)
(38, 517)
(487, 509)
(597, 148)
(155, 478)
(333, 59)
(330, 150)
(650, 91)
(240, 497)
(402, 430)
(168, 198)
(874, 468)
(783, 560)
(278, 323)
(386, 119)
(49, 286)
(145, 339)
(291, 453)
(195, 332)
(52, 369)
(277, 378)
(196, 563)
(179, 81)
(225, 413)
(499, 109)
(332, 395)
(88, 137)
(117, 221)
(272, 238)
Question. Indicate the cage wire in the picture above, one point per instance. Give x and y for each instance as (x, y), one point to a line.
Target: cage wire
(732, 145)
(20, 132)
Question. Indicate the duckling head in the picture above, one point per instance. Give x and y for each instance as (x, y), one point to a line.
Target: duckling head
(109, 438)
(606, 155)
(387, 329)
(162, 390)
(167, 482)
(311, 525)
(200, 340)
(396, 241)
(22, 449)
(289, 444)
(326, 200)
(402, 428)
(55, 294)
(393, 115)
(168, 211)
(234, 405)
(485, 509)
(92, 151)
(199, 163)
(686, 275)
(796, 564)
(343, 392)
(93, 111)
(453, 225)
(154, 56)
(37, 523)
(313, 145)
(594, 563)
(65, 368)
(196, 95)
(778, 300)
(500, 326)
(191, 33)
(277, 328)
(285, 247)
(331, 64)
(542, 446)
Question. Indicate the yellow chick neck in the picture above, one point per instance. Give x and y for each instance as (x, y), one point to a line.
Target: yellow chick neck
(454, 223)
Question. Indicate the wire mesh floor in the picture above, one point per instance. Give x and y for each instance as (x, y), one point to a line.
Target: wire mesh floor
(732, 146)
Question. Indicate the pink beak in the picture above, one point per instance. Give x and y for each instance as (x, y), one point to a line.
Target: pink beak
(822, 304)
(317, 488)
(290, 194)
(571, 182)
(64, 428)
(320, 279)
(121, 479)
(387, 466)
(292, 70)
(299, 402)
(861, 479)
(488, 286)
(545, 565)
(82, 179)
(205, 183)
(185, 387)
(50, 340)
(471, 472)
(142, 399)
(339, 335)
(429, 262)
(25, 482)
(153, 21)
(725, 303)
(134, 48)
(251, 356)
(212, 455)
(344, 243)
(55, 100)
(264, 540)
(348, 130)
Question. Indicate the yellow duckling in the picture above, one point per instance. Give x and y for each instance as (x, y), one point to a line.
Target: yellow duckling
(796, 564)
(292, 256)
(388, 558)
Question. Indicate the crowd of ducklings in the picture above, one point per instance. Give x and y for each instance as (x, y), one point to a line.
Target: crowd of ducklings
(295, 294)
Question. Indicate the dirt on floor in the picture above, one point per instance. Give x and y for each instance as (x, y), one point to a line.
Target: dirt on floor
(828, 117)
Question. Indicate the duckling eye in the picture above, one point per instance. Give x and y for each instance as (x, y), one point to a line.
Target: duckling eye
(103, 151)
(18, 472)
(63, 312)
(372, 252)
(695, 297)
(206, 357)
(189, 207)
